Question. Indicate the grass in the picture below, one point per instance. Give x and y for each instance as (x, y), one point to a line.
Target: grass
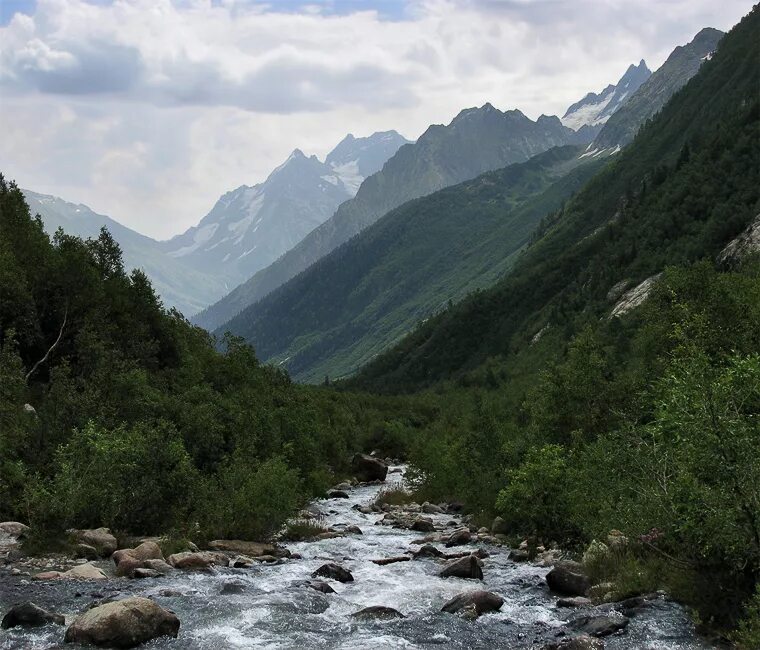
(300, 530)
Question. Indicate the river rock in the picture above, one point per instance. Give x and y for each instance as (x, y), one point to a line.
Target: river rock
(86, 552)
(366, 468)
(243, 547)
(574, 601)
(199, 560)
(321, 586)
(482, 601)
(582, 642)
(80, 572)
(466, 567)
(391, 560)
(345, 486)
(158, 565)
(144, 572)
(29, 615)
(99, 538)
(123, 624)
(499, 526)
(14, 529)
(333, 571)
(354, 530)
(459, 537)
(569, 579)
(601, 625)
(422, 525)
(337, 494)
(428, 550)
(126, 565)
(378, 612)
(431, 509)
(518, 555)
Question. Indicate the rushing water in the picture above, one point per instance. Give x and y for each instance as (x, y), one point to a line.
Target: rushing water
(268, 606)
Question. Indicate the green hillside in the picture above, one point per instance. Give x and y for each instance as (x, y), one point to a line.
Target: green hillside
(367, 294)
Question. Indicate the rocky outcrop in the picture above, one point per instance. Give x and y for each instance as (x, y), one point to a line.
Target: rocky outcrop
(30, 615)
(14, 529)
(334, 572)
(634, 297)
(100, 539)
(569, 579)
(746, 243)
(366, 468)
(123, 624)
(482, 601)
(378, 612)
(465, 567)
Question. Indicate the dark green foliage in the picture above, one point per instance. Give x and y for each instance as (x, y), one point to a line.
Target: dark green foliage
(355, 302)
(141, 424)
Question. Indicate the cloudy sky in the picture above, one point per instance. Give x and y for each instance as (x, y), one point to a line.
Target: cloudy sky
(148, 110)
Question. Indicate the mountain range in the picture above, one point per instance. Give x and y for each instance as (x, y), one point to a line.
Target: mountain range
(477, 140)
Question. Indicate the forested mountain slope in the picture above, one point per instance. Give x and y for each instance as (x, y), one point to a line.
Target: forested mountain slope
(686, 185)
(372, 290)
(477, 140)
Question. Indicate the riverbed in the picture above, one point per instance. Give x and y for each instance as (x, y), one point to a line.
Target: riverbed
(269, 606)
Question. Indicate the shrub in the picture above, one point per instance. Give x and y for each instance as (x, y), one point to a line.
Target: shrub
(299, 530)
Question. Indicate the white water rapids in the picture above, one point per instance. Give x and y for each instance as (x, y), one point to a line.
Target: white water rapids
(267, 606)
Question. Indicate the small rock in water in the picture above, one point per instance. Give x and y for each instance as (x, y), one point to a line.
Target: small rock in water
(423, 525)
(146, 573)
(582, 642)
(466, 567)
(482, 601)
(321, 586)
(428, 550)
(230, 588)
(337, 494)
(333, 571)
(30, 615)
(574, 601)
(355, 530)
(391, 560)
(599, 626)
(431, 509)
(86, 551)
(378, 612)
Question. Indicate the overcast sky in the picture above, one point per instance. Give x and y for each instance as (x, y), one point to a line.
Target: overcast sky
(148, 110)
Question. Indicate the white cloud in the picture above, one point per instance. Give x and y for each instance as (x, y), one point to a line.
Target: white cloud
(148, 110)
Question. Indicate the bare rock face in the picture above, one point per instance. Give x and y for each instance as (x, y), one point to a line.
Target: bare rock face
(746, 243)
(482, 602)
(30, 615)
(465, 567)
(99, 538)
(634, 297)
(366, 468)
(123, 624)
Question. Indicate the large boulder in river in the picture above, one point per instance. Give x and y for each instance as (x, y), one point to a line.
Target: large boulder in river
(30, 615)
(366, 468)
(333, 571)
(199, 560)
(123, 624)
(376, 612)
(243, 547)
(459, 537)
(482, 601)
(464, 567)
(569, 579)
(99, 538)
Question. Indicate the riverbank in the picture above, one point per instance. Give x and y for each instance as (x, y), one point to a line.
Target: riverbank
(275, 605)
